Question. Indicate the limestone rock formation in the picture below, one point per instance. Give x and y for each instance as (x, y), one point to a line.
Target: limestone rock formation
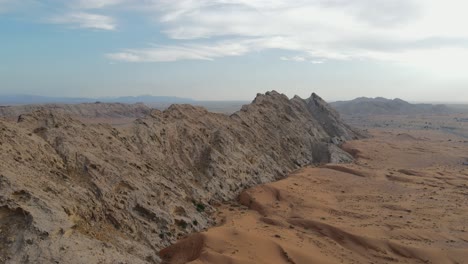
(83, 110)
(91, 193)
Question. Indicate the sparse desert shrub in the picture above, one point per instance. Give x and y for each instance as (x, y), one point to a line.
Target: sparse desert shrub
(181, 223)
(200, 207)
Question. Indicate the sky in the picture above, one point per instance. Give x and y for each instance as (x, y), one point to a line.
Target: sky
(232, 49)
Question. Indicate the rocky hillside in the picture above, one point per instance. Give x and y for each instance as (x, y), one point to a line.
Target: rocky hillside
(90, 193)
(83, 110)
(381, 106)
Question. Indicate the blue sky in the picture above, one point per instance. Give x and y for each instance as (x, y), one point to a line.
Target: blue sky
(232, 49)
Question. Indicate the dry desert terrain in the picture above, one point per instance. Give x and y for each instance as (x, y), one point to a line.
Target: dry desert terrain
(404, 200)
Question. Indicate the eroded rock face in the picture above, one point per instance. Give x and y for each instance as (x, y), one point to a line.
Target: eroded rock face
(83, 110)
(96, 194)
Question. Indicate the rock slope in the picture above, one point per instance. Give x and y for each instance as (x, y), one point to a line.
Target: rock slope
(83, 110)
(90, 193)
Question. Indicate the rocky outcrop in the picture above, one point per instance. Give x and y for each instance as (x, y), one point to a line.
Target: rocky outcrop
(83, 110)
(92, 193)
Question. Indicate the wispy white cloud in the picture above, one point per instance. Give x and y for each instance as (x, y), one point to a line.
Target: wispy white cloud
(86, 20)
(316, 29)
(294, 58)
(183, 52)
(206, 51)
(317, 61)
(399, 31)
(301, 59)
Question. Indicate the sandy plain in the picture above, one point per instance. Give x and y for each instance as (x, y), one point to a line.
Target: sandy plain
(404, 200)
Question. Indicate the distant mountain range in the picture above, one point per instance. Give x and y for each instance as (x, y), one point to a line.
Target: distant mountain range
(383, 106)
(34, 99)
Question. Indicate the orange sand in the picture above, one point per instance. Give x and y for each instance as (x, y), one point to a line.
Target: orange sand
(405, 200)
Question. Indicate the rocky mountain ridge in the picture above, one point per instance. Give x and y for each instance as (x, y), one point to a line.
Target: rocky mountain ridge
(82, 110)
(91, 193)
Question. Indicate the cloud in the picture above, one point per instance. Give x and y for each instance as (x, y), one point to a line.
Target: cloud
(301, 59)
(294, 58)
(317, 61)
(326, 19)
(382, 13)
(316, 31)
(205, 51)
(186, 52)
(86, 20)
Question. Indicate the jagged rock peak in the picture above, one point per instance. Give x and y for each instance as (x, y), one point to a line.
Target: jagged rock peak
(270, 97)
(320, 102)
(317, 98)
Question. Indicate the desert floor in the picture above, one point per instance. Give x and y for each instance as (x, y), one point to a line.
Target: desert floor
(404, 200)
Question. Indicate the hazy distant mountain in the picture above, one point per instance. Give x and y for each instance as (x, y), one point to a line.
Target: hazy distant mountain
(383, 106)
(146, 99)
(34, 99)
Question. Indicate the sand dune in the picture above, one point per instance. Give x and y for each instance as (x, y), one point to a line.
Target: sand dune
(405, 203)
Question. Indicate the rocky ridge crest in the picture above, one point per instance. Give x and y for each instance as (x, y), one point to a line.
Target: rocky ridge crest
(82, 110)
